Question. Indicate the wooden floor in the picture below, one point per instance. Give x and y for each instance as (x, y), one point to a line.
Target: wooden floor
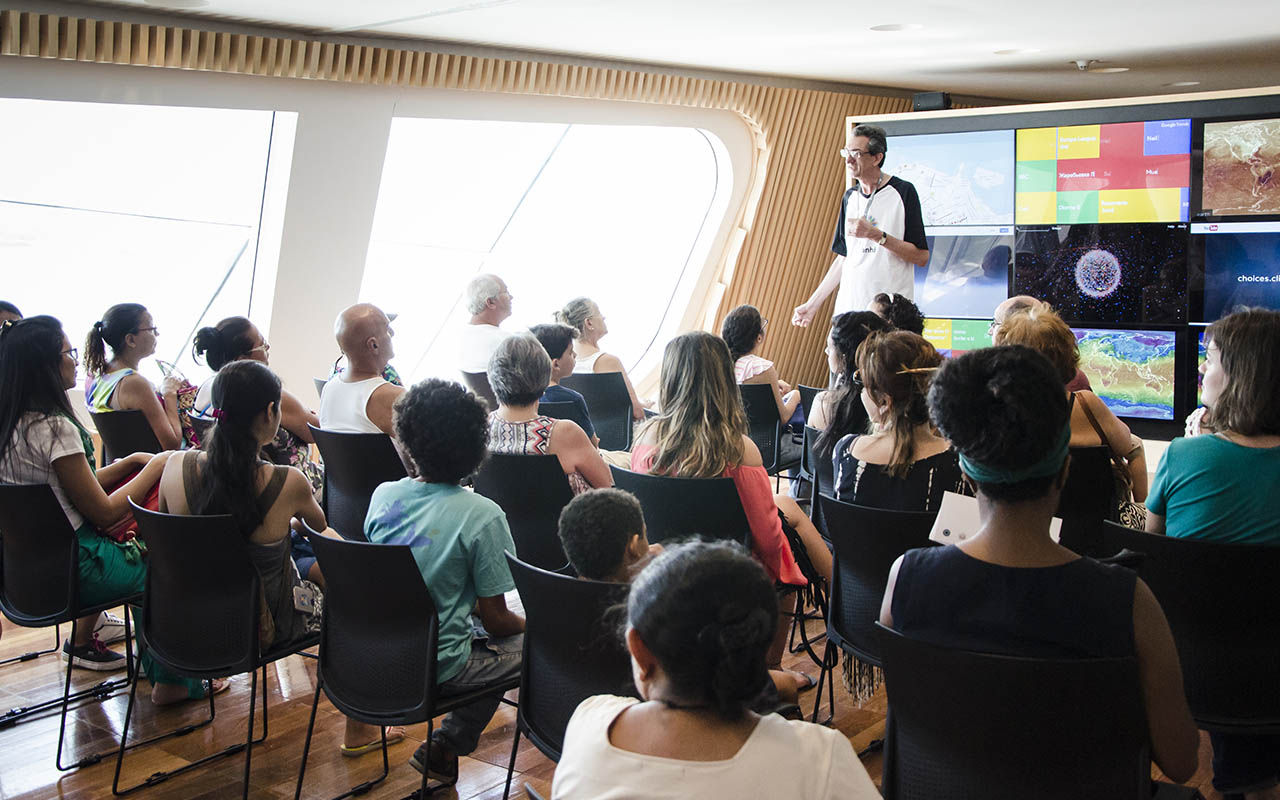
(27, 749)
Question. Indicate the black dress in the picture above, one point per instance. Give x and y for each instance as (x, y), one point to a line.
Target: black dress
(871, 484)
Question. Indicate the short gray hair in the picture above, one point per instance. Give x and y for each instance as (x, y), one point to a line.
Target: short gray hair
(481, 288)
(519, 370)
(877, 142)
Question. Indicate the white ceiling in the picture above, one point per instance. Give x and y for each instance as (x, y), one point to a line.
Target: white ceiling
(1228, 44)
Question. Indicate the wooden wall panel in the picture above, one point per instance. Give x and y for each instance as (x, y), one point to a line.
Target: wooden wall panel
(798, 131)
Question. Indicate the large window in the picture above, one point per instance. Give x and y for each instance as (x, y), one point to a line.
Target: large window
(621, 214)
(102, 204)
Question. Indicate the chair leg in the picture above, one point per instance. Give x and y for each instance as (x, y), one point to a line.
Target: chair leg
(827, 674)
(34, 654)
(511, 765)
(306, 745)
(248, 745)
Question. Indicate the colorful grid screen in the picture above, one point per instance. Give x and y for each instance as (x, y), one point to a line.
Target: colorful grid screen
(1132, 371)
(953, 337)
(1117, 172)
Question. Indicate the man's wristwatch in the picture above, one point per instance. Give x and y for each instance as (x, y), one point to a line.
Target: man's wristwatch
(884, 237)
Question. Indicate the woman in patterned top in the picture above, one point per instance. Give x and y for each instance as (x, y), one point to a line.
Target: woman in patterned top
(904, 465)
(519, 371)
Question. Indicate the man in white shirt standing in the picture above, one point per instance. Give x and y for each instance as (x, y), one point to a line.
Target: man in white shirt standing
(359, 399)
(489, 303)
(879, 236)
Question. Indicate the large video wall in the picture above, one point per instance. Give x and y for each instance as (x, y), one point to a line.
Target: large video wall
(1140, 224)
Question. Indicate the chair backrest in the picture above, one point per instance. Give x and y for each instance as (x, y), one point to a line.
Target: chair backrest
(1222, 606)
(823, 475)
(608, 403)
(354, 465)
(1087, 499)
(572, 649)
(478, 383)
(807, 395)
(976, 725)
(531, 491)
(380, 634)
(200, 615)
(867, 542)
(38, 557)
(676, 508)
(763, 427)
(320, 384)
(124, 433)
(564, 410)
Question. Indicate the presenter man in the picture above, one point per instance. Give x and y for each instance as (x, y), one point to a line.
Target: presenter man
(879, 233)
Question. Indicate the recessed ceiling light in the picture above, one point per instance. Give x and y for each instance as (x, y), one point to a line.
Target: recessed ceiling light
(1017, 51)
(897, 26)
(1183, 83)
(177, 3)
(1106, 70)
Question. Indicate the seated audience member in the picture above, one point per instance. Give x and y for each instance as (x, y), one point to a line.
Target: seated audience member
(1011, 589)
(743, 330)
(518, 372)
(701, 618)
(557, 340)
(9, 312)
(228, 477)
(237, 339)
(359, 399)
(458, 539)
(489, 303)
(388, 372)
(899, 311)
(41, 441)
(116, 385)
(1092, 423)
(583, 315)
(904, 465)
(1024, 302)
(603, 535)
(701, 433)
(1223, 487)
(839, 411)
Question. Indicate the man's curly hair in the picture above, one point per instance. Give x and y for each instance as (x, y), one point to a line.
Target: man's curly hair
(444, 427)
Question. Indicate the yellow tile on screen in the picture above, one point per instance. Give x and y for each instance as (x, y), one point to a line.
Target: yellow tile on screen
(1036, 208)
(938, 333)
(1037, 144)
(1140, 205)
(1079, 141)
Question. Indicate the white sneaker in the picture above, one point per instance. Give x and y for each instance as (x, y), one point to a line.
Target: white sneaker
(109, 628)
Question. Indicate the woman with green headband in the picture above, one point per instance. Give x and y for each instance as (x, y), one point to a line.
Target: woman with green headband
(1010, 588)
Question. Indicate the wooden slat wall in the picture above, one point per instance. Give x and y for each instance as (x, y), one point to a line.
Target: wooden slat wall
(799, 176)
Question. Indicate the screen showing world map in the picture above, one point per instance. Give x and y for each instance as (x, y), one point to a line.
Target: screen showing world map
(1131, 371)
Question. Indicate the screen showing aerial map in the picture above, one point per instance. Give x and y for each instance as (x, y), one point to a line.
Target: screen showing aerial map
(1116, 172)
(1105, 273)
(968, 271)
(1241, 172)
(1132, 371)
(954, 337)
(962, 178)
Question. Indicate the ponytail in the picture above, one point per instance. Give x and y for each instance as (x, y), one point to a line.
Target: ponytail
(119, 321)
(221, 344)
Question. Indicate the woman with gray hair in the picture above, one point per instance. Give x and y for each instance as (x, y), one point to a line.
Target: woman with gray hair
(519, 371)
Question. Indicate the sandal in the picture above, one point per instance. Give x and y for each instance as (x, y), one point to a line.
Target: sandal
(394, 734)
(804, 681)
(198, 692)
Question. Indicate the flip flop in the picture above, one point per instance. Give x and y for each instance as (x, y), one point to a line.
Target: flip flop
(804, 681)
(394, 735)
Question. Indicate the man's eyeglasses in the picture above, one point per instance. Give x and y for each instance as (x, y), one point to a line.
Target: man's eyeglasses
(846, 153)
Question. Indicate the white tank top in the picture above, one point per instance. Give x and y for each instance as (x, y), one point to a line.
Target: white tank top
(587, 364)
(343, 405)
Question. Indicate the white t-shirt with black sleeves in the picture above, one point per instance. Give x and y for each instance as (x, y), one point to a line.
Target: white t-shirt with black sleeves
(870, 269)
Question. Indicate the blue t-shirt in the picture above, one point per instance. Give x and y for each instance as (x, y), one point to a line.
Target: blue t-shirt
(1207, 487)
(563, 394)
(458, 538)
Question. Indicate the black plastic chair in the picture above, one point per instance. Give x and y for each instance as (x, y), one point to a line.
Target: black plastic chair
(572, 651)
(1088, 498)
(763, 426)
(39, 587)
(354, 465)
(677, 508)
(531, 490)
(378, 658)
(478, 384)
(200, 618)
(1222, 606)
(807, 395)
(124, 433)
(824, 478)
(965, 725)
(564, 410)
(609, 405)
(867, 541)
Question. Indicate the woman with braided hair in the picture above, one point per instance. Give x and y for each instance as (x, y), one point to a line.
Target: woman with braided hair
(699, 620)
